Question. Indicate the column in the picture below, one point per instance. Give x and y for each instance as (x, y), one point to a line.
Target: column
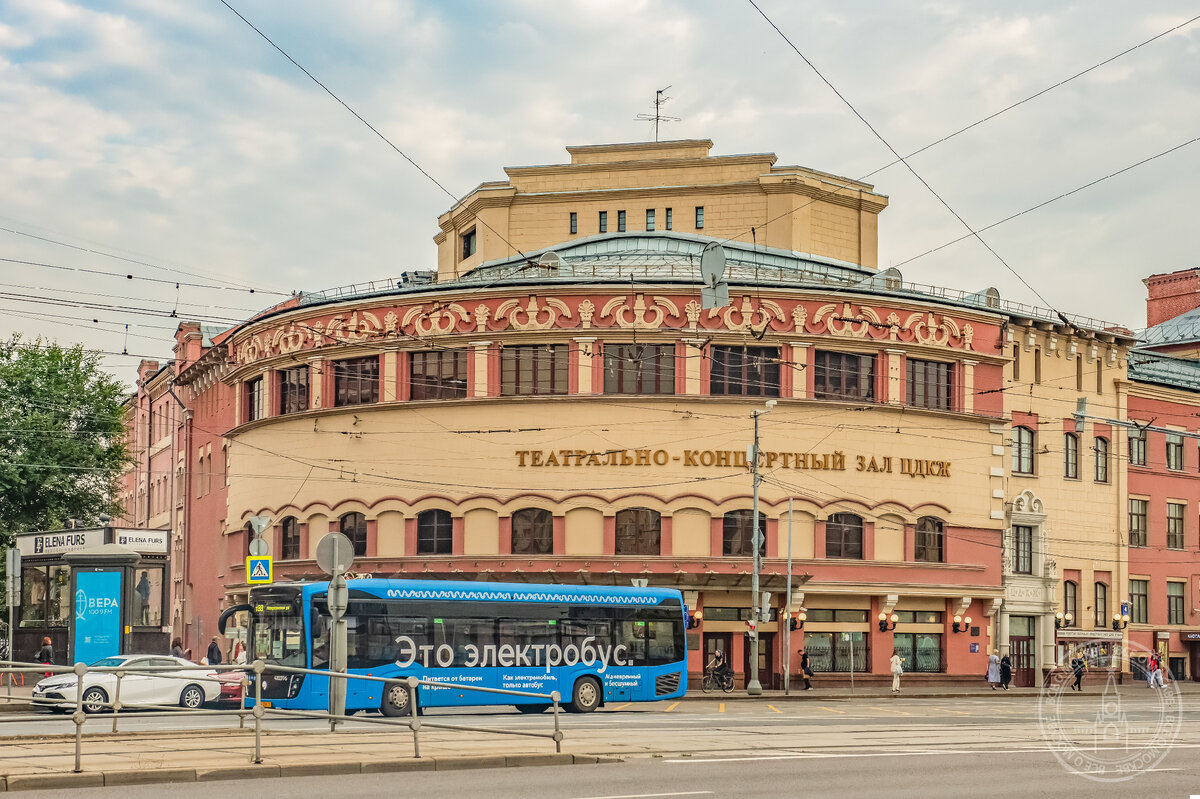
(1000, 640)
(586, 353)
(479, 354)
(895, 377)
(968, 386)
(801, 369)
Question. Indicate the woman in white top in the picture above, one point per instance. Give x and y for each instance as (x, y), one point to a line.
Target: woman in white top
(897, 663)
(993, 670)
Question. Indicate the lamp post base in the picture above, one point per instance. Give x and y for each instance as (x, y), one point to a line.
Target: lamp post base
(754, 687)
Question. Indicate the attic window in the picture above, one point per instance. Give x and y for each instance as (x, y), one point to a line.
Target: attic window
(469, 243)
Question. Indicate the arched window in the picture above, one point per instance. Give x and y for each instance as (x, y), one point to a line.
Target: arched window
(291, 539)
(1022, 462)
(738, 538)
(1101, 606)
(639, 532)
(1070, 456)
(1101, 459)
(844, 536)
(929, 540)
(354, 526)
(532, 532)
(1071, 602)
(435, 533)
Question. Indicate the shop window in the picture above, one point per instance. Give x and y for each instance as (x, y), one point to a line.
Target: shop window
(469, 243)
(738, 534)
(533, 369)
(843, 376)
(639, 369)
(1175, 603)
(844, 536)
(928, 540)
(639, 532)
(1101, 447)
(1070, 456)
(291, 539)
(930, 384)
(836, 652)
(1139, 601)
(45, 596)
(356, 381)
(1175, 452)
(1175, 512)
(744, 371)
(532, 532)
(1137, 522)
(921, 651)
(1022, 455)
(293, 389)
(256, 399)
(919, 616)
(1137, 447)
(354, 526)
(1022, 549)
(438, 374)
(148, 596)
(435, 533)
(1101, 592)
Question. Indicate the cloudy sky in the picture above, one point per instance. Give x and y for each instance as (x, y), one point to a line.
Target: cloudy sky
(170, 134)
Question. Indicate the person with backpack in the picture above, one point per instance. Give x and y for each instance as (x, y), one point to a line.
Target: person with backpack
(45, 655)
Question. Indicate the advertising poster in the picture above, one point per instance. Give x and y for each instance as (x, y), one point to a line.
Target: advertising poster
(97, 615)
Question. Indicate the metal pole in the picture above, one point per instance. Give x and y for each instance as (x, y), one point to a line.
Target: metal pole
(753, 687)
(258, 710)
(117, 700)
(787, 615)
(414, 723)
(851, 661)
(555, 696)
(78, 716)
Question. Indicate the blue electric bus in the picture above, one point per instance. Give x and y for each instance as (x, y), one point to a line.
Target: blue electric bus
(592, 644)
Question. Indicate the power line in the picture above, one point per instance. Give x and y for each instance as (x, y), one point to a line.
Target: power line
(131, 276)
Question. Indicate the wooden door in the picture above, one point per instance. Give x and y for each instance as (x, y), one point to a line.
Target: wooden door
(1021, 650)
(715, 641)
(766, 646)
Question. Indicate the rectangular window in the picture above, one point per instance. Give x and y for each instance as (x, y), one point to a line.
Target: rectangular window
(921, 651)
(699, 217)
(620, 221)
(1175, 511)
(147, 596)
(1137, 447)
(670, 221)
(256, 397)
(830, 652)
(604, 221)
(744, 371)
(293, 389)
(930, 384)
(1037, 366)
(1139, 601)
(1022, 549)
(639, 369)
(533, 369)
(1099, 376)
(1101, 606)
(356, 381)
(1175, 452)
(649, 219)
(1079, 373)
(1016, 362)
(45, 596)
(574, 223)
(842, 376)
(1174, 603)
(468, 244)
(438, 374)
(1070, 456)
(1137, 522)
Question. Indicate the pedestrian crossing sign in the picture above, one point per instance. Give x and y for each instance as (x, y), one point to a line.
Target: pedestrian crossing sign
(259, 570)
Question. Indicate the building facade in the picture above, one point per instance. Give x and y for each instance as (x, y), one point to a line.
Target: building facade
(558, 406)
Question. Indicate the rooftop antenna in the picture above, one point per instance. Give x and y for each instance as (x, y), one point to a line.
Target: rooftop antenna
(657, 116)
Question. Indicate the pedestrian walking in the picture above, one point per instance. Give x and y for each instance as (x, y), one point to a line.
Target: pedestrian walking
(177, 648)
(1005, 672)
(1150, 661)
(993, 670)
(806, 670)
(214, 653)
(897, 664)
(1157, 674)
(1078, 668)
(45, 655)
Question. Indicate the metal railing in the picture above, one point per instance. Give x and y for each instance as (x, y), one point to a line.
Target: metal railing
(209, 675)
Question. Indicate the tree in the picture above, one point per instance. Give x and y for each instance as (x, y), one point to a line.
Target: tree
(62, 440)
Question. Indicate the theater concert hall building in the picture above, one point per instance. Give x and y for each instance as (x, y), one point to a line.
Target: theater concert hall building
(555, 405)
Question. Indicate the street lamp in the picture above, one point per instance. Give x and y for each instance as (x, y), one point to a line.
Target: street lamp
(753, 686)
(1120, 621)
(883, 622)
(961, 624)
(1062, 620)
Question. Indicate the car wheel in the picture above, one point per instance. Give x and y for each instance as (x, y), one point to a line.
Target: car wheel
(395, 701)
(94, 700)
(192, 697)
(586, 696)
(540, 708)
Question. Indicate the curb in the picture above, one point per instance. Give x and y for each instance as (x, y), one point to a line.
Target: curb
(97, 779)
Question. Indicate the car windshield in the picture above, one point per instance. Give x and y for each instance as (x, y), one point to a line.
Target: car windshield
(107, 663)
(279, 636)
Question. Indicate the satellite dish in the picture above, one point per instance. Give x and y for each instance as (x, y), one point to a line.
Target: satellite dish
(715, 293)
(335, 552)
(551, 260)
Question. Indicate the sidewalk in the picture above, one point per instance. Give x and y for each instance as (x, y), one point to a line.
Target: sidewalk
(955, 692)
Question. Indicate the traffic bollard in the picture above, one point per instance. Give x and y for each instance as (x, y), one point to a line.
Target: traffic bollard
(117, 699)
(258, 710)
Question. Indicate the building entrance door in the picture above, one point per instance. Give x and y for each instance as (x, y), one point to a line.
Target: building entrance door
(715, 641)
(1194, 657)
(766, 646)
(1022, 650)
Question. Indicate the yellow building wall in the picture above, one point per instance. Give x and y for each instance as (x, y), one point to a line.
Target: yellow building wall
(584, 532)
(691, 533)
(390, 534)
(481, 532)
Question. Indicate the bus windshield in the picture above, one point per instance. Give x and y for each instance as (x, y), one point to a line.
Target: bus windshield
(279, 636)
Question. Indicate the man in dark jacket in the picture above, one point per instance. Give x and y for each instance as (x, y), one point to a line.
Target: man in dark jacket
(806, 670)
(214, 653)
(45, 655)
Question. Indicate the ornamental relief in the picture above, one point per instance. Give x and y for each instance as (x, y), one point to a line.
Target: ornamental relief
(637, 311)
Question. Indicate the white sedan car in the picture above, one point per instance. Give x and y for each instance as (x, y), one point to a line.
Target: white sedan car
(189, 689)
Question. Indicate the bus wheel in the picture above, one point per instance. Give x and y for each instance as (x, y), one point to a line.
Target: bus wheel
(395, 701)
(586, 696)
(532, 708)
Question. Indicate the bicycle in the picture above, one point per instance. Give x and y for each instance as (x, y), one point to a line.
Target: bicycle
(712, 681)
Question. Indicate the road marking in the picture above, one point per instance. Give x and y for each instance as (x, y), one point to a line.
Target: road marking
(648, 795)
(673, 706)
(777, 710)
(891, 710)
(722, 708)
(831, 710)
(621, 707)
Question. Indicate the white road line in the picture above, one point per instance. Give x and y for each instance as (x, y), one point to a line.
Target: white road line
(648, 795)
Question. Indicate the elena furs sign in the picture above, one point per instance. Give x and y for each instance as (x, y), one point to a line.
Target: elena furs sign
(148, 541)
(58, 543)
(97, 615)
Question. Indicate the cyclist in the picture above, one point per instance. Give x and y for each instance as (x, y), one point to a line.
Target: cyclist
(719, 667)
